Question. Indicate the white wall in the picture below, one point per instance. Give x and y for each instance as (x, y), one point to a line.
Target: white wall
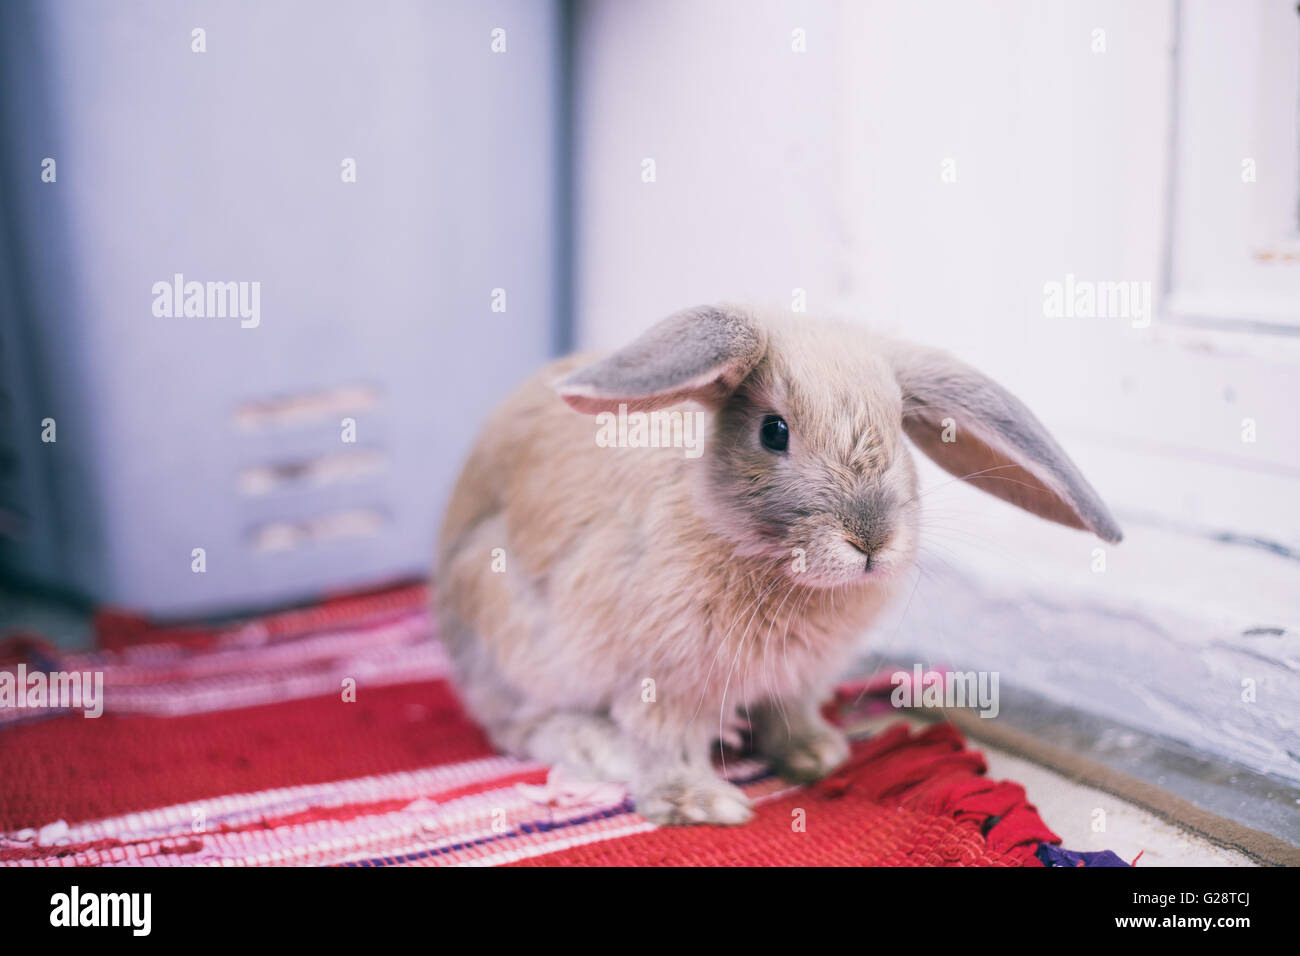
(779, 170)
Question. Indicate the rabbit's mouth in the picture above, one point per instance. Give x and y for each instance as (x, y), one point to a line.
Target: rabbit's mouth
(877, 561)
(838, 561)
(867, 554)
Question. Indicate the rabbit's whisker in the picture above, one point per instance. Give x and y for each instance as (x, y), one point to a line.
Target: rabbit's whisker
(740, 647)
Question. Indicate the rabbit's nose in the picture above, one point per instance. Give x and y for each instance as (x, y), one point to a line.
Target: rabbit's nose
(869, 527)
(870, 535)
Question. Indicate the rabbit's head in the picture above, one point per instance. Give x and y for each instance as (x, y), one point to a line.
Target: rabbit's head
(806, 463)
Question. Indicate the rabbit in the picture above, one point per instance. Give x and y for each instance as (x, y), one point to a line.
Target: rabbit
(614, 609)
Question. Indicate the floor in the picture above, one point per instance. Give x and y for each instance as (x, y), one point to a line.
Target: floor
(1257, 800)
(1074, 810)
(1088, 820)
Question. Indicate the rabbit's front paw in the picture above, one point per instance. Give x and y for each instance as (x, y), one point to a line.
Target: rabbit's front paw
(810, 756)
(693, 798)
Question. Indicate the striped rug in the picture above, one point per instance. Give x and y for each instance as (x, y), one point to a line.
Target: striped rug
(239, 746)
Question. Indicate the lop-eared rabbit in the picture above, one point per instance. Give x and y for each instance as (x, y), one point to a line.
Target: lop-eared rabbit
(615, 609)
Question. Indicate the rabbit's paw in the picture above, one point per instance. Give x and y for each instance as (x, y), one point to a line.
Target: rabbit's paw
(808, 757)
(693, 798)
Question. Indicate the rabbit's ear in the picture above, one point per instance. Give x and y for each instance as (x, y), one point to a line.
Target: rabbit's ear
(977, 430)
(700, 354)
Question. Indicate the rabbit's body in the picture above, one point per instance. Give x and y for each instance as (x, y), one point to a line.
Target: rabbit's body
(615, 609)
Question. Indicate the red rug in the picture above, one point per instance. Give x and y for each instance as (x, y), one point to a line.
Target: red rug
(235, 746)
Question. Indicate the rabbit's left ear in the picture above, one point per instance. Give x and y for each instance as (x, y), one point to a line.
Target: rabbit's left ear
(993, 441)
(699, 354)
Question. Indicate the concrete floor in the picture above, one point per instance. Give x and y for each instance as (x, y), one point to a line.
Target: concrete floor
(1071, 810)
(1089, 820)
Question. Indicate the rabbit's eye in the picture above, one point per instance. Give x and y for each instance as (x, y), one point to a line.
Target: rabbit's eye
(775, 433)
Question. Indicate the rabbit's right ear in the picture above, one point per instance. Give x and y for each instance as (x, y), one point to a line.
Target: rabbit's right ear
(975, 429)
(700, 354)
